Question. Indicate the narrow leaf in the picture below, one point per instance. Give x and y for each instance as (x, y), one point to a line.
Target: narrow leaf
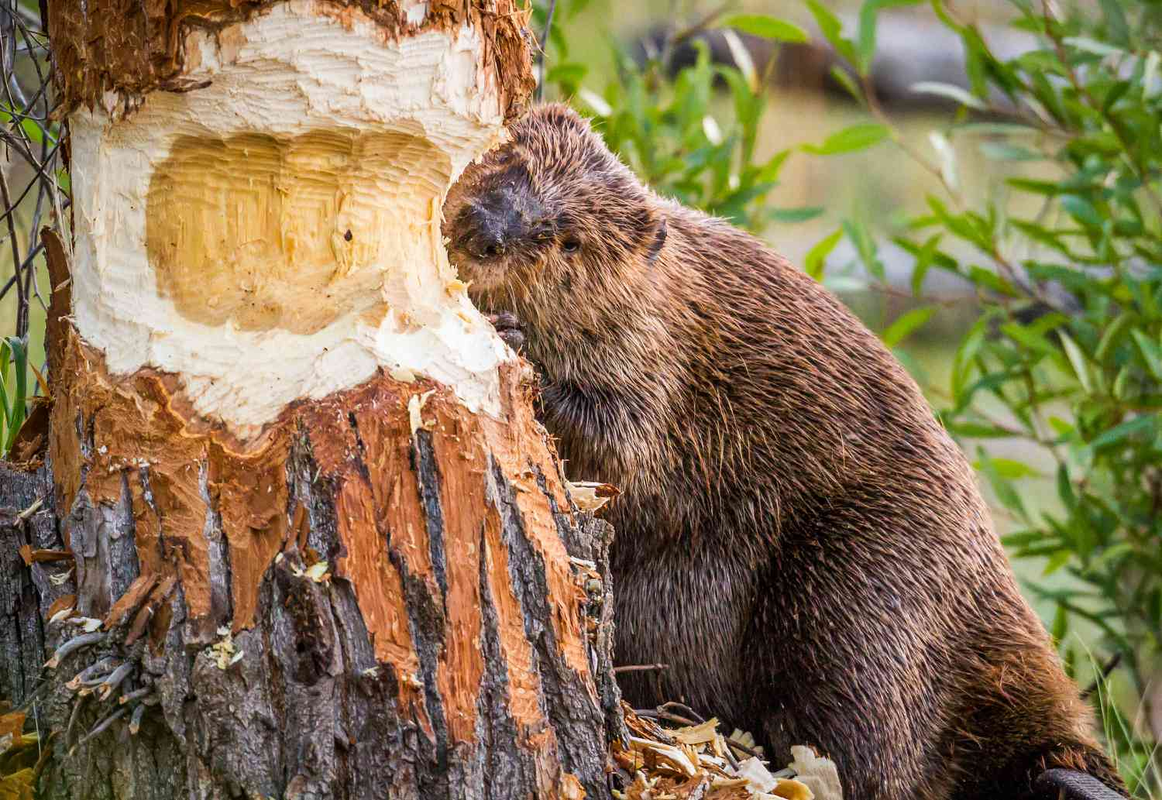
(850, 139)
(817, 255)
(906, 324)
(950, 91)
(767, 27)
(1076, 360)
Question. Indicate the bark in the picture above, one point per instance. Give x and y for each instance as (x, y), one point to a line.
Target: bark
(364, 591)
(482, 686)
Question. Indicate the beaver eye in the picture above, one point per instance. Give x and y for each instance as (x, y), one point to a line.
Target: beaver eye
(571, 245)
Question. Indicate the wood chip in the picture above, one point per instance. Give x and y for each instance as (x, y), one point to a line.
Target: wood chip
(32, 556)
(590, 496)
(690, 763)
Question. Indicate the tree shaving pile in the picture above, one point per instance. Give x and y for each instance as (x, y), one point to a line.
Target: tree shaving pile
(697, 762)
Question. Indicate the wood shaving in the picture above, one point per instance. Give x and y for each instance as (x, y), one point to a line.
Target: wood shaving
(590, 496)
(415, 406)
(684, 763)
(318, 572)
(223, 652)
(819, 774)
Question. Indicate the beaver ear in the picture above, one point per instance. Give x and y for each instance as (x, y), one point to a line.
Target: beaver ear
(657, 240)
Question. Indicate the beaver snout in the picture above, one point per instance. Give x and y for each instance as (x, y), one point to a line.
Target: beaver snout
(493, 222)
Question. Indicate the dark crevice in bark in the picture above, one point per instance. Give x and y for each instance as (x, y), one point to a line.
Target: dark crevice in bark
(426, 624)
(353, 421)
(218, 556)
(124, 566)
(423, 458)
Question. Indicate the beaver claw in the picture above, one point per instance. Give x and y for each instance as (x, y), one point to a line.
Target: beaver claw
(508, 326)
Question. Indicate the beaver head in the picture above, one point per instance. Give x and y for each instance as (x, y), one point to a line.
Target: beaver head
(549, 219)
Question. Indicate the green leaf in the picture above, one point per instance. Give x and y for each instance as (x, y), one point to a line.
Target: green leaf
(950, 91)
(1081, 210)
(865, 245)
(1065, 489)
(924, 262)
(1093, 46)
(1151, 353)
(5, 402)
(770, 171)
(1010, 469)
(1003, 151)
(1057, 561)
(1119, 29)
(1060, 625)
(1077, 360)
(1004, 490)
(1023, 538)
(817, 255)
(867, 29)
(571, 74)
(1112, 336)
(962, 362)
(1118, 434)
(989, 279)
(844, 79)
(906, 324)
(850, 139)
(19, 396)
(31, 128)
(974, 430)
(832, 29)
(767, 27)
(1035, 187)
(802, 214)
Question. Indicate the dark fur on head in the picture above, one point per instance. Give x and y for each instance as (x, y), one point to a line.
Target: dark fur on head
(797, 537)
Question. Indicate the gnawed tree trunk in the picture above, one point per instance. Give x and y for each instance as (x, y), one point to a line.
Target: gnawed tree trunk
(317, 538)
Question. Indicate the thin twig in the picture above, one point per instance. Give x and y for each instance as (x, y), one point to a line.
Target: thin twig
(640, 668)
(544, 46)
(21, 300)
(1106, 669)
(665, 716)
(685, 709)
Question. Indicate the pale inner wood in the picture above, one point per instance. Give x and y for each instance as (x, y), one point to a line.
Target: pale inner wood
(288, 233)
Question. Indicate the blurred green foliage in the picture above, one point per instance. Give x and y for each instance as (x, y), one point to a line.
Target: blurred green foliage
(1064, 362)
(1066, 356)
(673, 132)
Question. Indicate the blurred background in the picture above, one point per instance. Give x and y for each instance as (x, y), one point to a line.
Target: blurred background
(979, 181)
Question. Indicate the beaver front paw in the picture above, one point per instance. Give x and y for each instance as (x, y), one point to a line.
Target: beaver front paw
(508, 326)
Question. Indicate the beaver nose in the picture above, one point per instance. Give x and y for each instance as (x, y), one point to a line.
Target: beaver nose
(493, 221)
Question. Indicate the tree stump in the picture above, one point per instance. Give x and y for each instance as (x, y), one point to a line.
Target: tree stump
(299, 534)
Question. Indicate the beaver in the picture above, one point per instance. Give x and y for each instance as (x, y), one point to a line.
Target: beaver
(797, 537)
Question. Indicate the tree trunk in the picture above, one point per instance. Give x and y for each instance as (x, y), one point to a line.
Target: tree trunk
(299, 534)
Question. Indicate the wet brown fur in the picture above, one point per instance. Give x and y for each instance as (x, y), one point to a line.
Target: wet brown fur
(797, 537)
